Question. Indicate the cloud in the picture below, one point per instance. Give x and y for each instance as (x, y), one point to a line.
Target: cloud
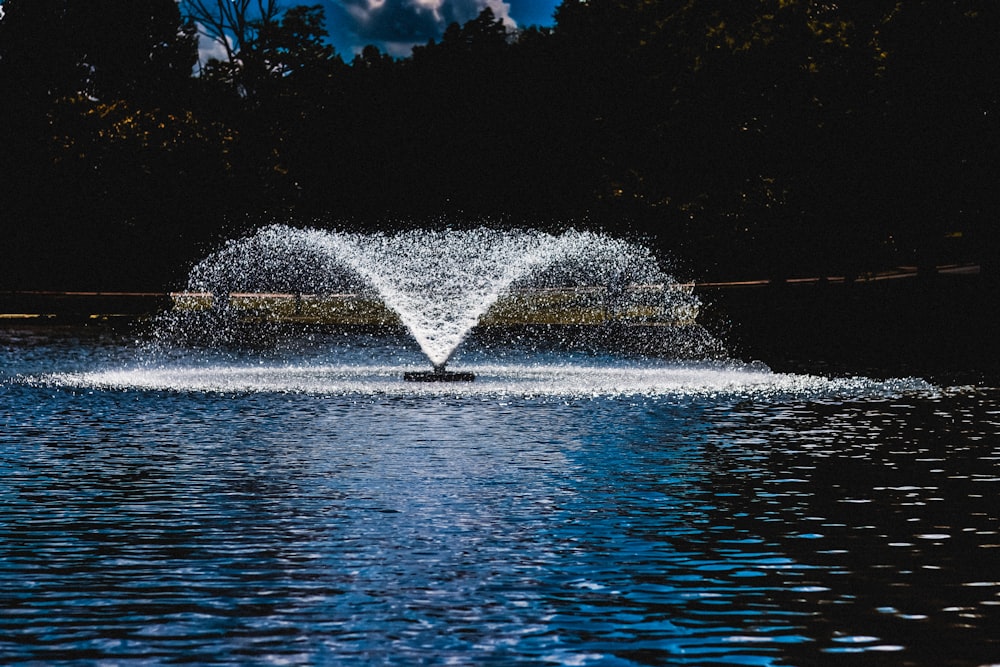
(209, 48)
(398, 25)
(394, 26)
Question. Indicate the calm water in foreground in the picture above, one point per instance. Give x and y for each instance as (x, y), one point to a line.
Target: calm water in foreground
(307, 507)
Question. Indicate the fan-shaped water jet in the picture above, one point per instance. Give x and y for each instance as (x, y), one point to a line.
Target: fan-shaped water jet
(438, 285)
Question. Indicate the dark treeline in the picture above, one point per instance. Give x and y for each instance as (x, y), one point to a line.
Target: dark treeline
(762, 138)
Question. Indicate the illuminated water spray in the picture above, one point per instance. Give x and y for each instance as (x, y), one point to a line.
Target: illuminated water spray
(438, 283)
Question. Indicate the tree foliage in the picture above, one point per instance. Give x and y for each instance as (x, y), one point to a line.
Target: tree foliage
(774, 137)
(107, 49)
(264, 44)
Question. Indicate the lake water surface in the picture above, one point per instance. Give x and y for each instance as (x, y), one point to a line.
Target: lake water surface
(304, 506)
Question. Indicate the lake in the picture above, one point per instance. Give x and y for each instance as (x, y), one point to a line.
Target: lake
(299, 504)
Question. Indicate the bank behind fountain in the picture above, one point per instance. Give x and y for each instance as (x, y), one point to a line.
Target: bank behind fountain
(579, 288)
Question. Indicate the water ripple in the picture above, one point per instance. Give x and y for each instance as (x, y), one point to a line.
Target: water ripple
(693, 523)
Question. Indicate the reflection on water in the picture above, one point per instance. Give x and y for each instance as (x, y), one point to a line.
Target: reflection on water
(821, 524)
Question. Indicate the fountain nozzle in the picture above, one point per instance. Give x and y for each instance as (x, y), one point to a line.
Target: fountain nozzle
(439, 374)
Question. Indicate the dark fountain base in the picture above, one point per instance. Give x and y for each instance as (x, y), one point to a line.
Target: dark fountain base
(439, 374)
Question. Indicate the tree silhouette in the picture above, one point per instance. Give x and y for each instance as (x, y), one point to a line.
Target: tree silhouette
(107, 49)
(942, 62)
(773, 137)
(64, 65)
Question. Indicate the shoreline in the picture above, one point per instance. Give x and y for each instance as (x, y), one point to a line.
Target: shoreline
(55, 305)
(890, 324)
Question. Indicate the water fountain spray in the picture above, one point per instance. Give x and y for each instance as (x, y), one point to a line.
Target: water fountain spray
(438, 283)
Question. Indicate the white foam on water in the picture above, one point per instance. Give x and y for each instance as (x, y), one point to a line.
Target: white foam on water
(569, 380)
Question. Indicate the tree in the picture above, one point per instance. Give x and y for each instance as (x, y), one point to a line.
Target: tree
(264, 43)
(38, 58)
(742, 122)
(296, 47)
(74, 76)
(140, 50)
(105, 49)
(941, 120)
(231, 24)
(235, 25)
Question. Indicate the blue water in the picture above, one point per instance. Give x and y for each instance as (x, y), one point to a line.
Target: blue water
(277, 507)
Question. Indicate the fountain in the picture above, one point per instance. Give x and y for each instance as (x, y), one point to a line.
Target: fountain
(262, 485)
(439, 285)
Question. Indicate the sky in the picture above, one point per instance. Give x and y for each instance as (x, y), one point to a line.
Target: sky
(396, 25)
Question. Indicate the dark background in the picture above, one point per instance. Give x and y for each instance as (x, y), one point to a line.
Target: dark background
(768, 139)
(764, 139)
